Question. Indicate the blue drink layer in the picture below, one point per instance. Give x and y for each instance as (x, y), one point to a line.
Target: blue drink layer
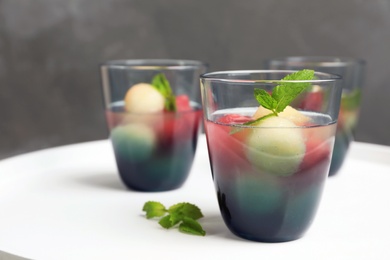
(341, 147)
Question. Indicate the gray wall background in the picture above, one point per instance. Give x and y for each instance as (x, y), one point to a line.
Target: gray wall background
(50, 50)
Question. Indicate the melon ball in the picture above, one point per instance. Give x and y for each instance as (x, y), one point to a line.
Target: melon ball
(144, 98)
(288, 113)
(136, 142)
(276, 147)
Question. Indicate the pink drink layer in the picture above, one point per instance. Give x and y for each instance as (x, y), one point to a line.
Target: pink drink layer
(257, 202)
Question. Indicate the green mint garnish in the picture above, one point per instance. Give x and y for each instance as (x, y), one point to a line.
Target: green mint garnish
(161, 83)
(283, 94)
(154, 209)
(184, 213)
(181, 210)
(191, 226)
(351, 100)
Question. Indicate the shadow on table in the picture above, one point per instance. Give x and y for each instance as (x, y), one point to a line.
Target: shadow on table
(212, 222)
(103, 180)
(214, 226)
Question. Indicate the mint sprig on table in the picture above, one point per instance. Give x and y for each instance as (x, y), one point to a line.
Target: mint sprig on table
(184, 214)
(283, 94)
(161, 83)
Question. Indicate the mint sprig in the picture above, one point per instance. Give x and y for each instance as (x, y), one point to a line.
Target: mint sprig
(283, 94)
(184, 214)
(350, 100)
(161, 83)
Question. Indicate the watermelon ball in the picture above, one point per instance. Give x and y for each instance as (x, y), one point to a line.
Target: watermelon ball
(134, 141)
(183, 103)
(277, 147)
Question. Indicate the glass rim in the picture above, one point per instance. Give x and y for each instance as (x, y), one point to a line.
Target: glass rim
(153, 64)
(318, 61)
(221, 76)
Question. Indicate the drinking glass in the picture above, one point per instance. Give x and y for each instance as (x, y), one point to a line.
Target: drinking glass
(352, 72)
(269, 176)
(154, 142)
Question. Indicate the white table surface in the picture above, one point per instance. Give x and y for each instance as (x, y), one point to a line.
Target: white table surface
(68, 203)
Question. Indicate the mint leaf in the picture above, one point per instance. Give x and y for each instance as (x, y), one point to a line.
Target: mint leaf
(264, 98)
(184, 213)
(191, 226)
(304, 74)
(154, 209)
(351, 100)
(181, 210)
(166, 222)
(169, 221)
(161, 83)
(170, 103)
(286, 92)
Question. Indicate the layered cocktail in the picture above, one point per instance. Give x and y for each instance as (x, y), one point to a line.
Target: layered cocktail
(269, 157)
(154, 114)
